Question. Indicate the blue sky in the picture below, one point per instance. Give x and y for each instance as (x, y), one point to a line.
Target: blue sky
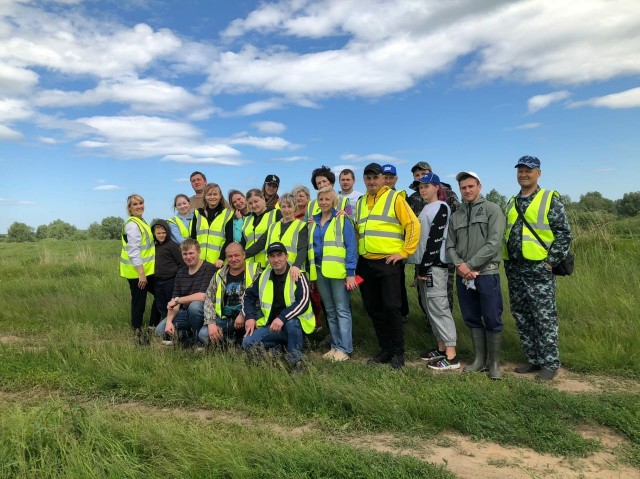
(101, 99)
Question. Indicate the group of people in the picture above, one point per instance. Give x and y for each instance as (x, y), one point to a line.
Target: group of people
(258, 271)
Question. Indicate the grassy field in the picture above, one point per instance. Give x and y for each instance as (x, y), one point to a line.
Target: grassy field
(80, 400)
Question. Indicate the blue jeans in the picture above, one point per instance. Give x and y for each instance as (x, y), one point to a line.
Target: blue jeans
(290, 336)
(335, 297)
(187, 323)
(229, 332)
(481, 308)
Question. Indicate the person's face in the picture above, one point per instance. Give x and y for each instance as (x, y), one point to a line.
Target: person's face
(288, 211)
(191, 256)
(373, 183)
(528, 177)
(419, 174)
(136, 208)
(160, 233)
(390, 180)
(322, 181)
(197, 183)
(325, 202)
(182, 205)
(470, 189)
(428, 191)
(257, 204)
(270, 188)
(239, 202)
(235, 257)
(302, 199)
(213, 197)
(278, 261)
(347, 181)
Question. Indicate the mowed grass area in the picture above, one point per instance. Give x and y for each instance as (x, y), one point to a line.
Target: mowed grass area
(64, 323)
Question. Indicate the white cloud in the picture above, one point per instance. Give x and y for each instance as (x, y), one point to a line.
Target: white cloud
(266, 142)
(9, 134)
(47, 140)
(107, 188)
(527, 126)
(13, 110)
(138, 127)
(205, 160)
(14, 79)
(291, 159)
(625, 99)
(538, 102)
(372, 158)
(269, 127)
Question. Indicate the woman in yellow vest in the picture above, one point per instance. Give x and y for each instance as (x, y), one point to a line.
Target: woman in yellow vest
(257, 224)
(179, 224)
(212, 226)
(303, 197)
(333, 257)
(137, 261)
(240, 207)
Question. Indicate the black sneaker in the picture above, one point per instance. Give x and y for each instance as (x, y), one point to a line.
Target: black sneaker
(383, 357)
(397, 362)
(433, 355)
(527, 368)
(445, 364)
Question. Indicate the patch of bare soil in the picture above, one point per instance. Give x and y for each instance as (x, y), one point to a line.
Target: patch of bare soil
(10, 339)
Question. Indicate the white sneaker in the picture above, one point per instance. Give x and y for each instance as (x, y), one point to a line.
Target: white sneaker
(330, 354)
(340, 356)
(167, 342)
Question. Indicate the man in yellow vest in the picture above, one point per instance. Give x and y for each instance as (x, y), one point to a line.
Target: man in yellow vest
(532, 285)
(284, 313)
(223, 318)
(388, 233)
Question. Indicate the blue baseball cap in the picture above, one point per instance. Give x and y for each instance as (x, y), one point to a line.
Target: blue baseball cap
(389, 170)
(426, 179)
(529, 162)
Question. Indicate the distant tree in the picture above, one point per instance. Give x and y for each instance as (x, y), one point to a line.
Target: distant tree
(61, 230)
(497, 198)
(20, 233)
(94, 231)
(112, 227)
(566, 201)
(629, 205)
(41, 232)
(594, 201)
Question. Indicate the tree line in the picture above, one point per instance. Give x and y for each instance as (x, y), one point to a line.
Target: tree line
(111, 226)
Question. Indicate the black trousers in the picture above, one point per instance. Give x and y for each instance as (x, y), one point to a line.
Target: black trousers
(382, 298)
(139, 300)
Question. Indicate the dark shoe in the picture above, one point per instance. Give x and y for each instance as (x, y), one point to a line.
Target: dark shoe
(433, 355)
(494, 341)
(479, 340)
(445, 364)
(527, 368)
(397, 362)
(547, 374)
(383, 357)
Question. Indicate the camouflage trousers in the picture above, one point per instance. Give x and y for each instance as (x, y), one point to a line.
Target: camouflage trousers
(532, 295)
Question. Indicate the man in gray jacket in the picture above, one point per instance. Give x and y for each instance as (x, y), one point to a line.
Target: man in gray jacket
(474, 246)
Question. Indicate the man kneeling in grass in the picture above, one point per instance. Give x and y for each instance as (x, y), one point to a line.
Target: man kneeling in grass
(223, 318)
(185, 312)
(284, 304)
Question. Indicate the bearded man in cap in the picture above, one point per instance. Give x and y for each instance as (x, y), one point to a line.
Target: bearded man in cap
(528, 264)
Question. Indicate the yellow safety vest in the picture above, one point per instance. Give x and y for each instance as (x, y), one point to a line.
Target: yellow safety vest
(211, 237)
(252, 234)
(537, 214)
(251, 272)
(265, 290)
(289, 239)
(334, 252)
(313, 208)
(380, 231)
(147, 251)
(176, 220)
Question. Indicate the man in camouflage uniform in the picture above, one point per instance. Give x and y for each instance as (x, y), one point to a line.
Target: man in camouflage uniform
(532, 285)
(417, 203)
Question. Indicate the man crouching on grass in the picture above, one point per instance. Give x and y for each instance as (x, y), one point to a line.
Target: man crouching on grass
(185, 312)
(284, 304)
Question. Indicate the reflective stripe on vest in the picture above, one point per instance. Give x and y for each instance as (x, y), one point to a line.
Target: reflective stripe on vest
(147, 251)
(250, 273)
(211, 237)
(334, 253)
(313, 208)
(251, 235)
(176, 220)
(537, 214)
(265, 290)
(289, 239)
(380, 230)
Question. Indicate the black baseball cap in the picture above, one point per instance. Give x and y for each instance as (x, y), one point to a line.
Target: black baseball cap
(272, 179)
(373, 168)
(276, 247)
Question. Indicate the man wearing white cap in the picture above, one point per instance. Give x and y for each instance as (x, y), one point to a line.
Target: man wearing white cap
(474, 246)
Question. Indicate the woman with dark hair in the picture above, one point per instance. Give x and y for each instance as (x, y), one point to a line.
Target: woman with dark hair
(257, 224)
(240, 208)
(321, 178)
(179, 224)
(212, 227)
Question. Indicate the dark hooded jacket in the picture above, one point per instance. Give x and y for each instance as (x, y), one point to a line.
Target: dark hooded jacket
(168, 255)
